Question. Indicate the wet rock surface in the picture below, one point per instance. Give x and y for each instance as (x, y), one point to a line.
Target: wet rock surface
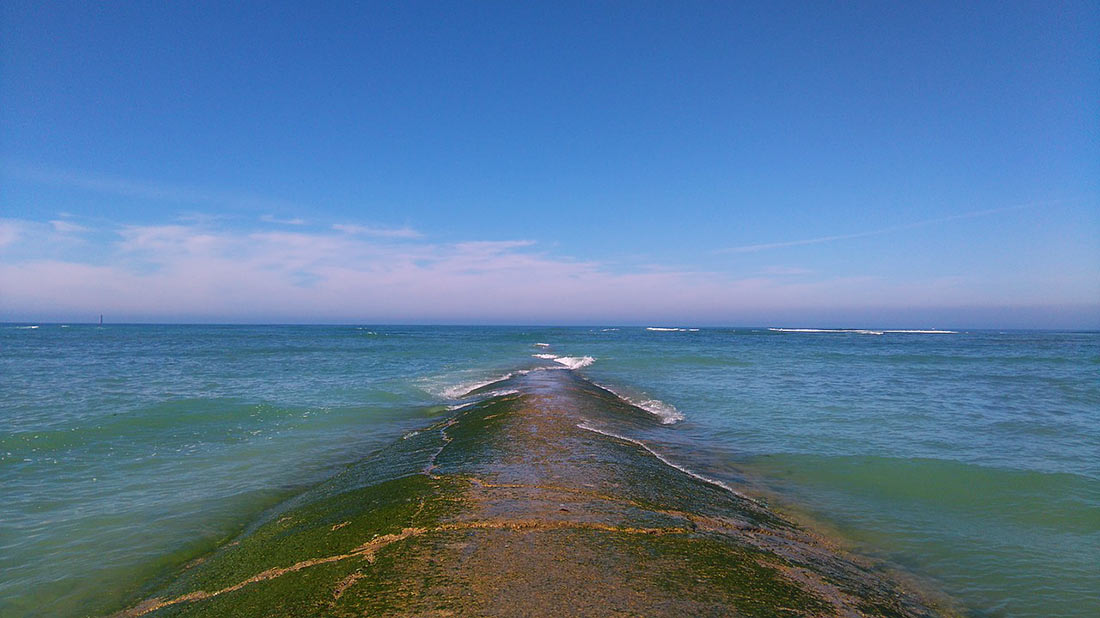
(521, 505)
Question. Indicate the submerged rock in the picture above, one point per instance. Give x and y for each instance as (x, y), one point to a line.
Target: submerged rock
(521, 505)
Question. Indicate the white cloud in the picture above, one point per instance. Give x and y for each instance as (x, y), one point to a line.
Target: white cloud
(274, 219)
(785, 271)
(9, 232)
(67, 227)
(382, 232)
(200, 272)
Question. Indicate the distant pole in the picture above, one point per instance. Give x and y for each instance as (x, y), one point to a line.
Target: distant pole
(101, 319)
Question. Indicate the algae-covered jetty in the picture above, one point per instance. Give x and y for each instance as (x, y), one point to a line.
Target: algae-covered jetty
(519, 505)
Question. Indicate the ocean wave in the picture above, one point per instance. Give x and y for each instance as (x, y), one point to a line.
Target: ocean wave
(663, 329)
(482, 397)
(542, 345)
(664, 411)
(570, 362)
(575, 362)
(25, 327)
(857, 331)
(864, 331)
(460, 390)
(932, 331)
(664, 460)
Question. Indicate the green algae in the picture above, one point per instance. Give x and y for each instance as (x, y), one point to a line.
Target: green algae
(712, 568)
(511, 508)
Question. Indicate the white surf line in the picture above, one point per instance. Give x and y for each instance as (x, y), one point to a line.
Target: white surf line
(864, 331)
(667, 412)
(858, 331)
(665, 461)
(460, 391)
(924, 332)
(569, 362)
(446, 440)
(575, 362)
(483, 397)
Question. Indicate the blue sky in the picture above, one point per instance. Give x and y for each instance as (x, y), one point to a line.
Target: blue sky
(931, 164)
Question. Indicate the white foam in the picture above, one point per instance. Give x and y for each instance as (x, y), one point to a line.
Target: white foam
(607, 330)
(664, 411)
(458, 391)
(925, 332)
(542, 345)
(662, 329)
(575, 362)
(664, 459)
(569, 362)
(858, 331)
(26, 327)
(482, 397)
(861, 331)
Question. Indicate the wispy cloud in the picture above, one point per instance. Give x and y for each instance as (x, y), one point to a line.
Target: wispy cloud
(382, 232)
(67, 227)
(216, 270)
(878, 232)
(9, 232)
(274, 219)
(223, 272)
(786, 271)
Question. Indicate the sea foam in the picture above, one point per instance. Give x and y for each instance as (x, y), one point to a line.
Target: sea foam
(664, 411)
(459, 391)
(925, 332)
(862, 331)
(500, 392)
(569, 362)
(857, 331)
(575, 362)
(664, 460)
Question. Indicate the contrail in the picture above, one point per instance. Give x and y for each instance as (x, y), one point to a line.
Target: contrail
(885, 230)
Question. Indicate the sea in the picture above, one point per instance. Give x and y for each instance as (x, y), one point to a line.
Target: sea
(968, 460)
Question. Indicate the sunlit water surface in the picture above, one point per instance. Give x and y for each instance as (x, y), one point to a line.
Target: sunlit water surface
(969, 459)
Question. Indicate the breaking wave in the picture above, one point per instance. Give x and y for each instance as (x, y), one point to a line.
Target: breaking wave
(664, 411)
(664, 460)
(863, 331)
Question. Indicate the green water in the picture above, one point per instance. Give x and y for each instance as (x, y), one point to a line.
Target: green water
(967, 458)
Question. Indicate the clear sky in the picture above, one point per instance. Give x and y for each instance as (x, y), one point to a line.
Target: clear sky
(689, 163)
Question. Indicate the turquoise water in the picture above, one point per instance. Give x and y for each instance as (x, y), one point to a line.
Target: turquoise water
(969, 459)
